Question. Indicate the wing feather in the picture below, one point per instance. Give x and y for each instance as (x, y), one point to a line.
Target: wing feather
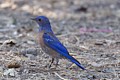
(52, 42)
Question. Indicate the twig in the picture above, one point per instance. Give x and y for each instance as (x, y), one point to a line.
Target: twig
(60, 76)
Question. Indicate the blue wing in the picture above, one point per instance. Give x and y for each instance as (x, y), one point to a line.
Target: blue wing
(52, 42)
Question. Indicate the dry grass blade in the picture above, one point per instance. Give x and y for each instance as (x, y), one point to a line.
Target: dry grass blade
(60, 76)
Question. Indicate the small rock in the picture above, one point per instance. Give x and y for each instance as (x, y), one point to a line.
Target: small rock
(5, 5)
(95, 64)
(81, 9)
(10, 42)
(91, 77)
(13, 64)
(10, 72)
(26, 7)
(109, 42)
(99, 43)
(30, 42)
(15, 33)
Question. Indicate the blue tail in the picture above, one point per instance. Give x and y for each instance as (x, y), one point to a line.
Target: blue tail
(72, 59)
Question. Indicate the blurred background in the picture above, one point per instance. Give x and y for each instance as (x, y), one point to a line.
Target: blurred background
(90, 29)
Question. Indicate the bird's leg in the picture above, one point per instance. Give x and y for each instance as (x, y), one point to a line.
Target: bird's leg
(51, 62)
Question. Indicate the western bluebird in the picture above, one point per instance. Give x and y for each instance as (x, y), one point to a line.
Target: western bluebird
(50, 43)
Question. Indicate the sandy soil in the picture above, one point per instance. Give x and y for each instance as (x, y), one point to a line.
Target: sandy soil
(90, 29)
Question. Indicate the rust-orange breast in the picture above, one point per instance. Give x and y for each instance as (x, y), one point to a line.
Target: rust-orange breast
(40, 39)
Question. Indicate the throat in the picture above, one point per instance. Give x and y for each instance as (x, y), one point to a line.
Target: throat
(45, 29)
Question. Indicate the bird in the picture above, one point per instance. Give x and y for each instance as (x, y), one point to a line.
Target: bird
(50, 44)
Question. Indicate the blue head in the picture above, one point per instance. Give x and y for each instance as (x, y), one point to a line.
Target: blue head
(43, 22)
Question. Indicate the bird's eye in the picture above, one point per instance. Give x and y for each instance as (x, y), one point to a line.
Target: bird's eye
(39, 20)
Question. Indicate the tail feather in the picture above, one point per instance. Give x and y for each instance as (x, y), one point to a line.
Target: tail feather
(72, 59)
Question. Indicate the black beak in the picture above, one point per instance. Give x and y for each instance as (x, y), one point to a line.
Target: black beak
(33, 19)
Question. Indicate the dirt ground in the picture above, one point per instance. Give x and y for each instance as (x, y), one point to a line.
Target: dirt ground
(90, 29)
